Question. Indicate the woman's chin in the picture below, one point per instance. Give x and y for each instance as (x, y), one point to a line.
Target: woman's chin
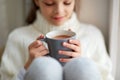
(58, 23)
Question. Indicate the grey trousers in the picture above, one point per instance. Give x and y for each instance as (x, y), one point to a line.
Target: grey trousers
(47, 68)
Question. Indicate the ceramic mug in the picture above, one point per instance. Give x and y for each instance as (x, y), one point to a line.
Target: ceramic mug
(55, 39)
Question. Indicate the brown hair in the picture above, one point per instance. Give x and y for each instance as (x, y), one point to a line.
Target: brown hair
(32, 13)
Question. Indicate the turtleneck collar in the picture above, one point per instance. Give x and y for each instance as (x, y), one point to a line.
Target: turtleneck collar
(44, 26)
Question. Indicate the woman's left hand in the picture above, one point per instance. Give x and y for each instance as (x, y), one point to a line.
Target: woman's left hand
(74, 45)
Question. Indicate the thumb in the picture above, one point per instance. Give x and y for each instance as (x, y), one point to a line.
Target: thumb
(40, 37)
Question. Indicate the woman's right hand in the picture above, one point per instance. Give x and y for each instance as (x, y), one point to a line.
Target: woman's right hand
(36, 49)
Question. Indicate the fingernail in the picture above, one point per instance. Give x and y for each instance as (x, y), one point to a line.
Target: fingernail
(64, 43)
(60, 59)
(59, 52)
(39, 42)
(70, 40)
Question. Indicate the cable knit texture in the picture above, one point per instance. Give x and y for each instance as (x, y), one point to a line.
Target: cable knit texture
(16, 51)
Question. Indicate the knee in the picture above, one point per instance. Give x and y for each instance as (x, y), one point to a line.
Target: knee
(81, 62)
(45, 63)
(44, 67)
(83, 69)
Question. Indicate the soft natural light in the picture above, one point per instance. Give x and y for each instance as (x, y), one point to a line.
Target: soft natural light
(114, 35)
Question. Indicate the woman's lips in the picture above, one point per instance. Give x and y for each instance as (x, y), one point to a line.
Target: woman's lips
(58, 18)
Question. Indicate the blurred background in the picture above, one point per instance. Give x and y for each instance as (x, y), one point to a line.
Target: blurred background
(105, 14)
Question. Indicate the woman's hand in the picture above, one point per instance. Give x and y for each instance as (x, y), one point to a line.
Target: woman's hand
(36, 49)
(73, 45)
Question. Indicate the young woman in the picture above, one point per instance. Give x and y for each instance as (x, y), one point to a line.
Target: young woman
(25, 57)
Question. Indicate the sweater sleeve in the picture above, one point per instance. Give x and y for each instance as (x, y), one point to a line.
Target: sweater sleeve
(101, 57)
(13, 58)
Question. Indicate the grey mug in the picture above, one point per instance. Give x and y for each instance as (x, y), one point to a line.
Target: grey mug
(55, 39)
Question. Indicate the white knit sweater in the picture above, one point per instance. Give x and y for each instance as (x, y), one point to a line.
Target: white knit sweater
(16, 51)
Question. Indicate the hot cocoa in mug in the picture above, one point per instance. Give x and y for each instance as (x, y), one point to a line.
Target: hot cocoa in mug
(61, 36)
(55, 39)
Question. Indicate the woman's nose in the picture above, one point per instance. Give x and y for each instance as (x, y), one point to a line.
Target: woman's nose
(59, 9)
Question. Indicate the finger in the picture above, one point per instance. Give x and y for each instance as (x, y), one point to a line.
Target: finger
(42, 53)
(41, 48)
(40, 37)
(69, 53)
(34, 51)
(64, 60)
(35, 44)
(38, 50)
(72, 46)
(76, 42)
(38, 44)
